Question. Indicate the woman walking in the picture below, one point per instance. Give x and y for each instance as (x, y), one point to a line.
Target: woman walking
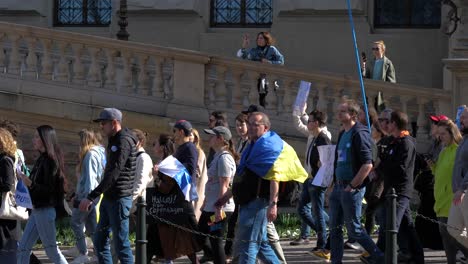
(92, 160)
(47, 189)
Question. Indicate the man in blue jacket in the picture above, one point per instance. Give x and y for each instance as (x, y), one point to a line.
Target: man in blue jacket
(353, 162)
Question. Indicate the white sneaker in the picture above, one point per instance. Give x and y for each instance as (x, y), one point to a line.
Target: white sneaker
(72, 252)
(89, 243)
(93, 259)
(81, 259)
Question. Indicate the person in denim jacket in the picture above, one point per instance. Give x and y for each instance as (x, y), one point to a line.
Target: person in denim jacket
(264, 52)
(90, 169)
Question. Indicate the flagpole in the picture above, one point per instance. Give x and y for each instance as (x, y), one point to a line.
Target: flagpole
(358, 62)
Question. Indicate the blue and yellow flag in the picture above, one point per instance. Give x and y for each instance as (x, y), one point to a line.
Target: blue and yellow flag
(271, 158)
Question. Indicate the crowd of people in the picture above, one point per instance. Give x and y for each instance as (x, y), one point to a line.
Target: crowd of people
(232, 190)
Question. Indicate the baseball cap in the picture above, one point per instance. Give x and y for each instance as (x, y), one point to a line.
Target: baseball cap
(438, 118)
(254, 108)
(109, 114)
(184, 125)
(220, 131)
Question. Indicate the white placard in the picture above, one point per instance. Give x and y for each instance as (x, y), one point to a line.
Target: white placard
(324, 176)
(302, 95)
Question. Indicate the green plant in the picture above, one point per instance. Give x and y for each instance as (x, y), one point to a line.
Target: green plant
(288, 225)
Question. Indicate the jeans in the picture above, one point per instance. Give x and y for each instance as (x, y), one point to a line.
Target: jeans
(252, 227)
(216, 244)
(345, 209)
(79, 220)
(114, 214)
(8, 252)
(451, 245)
(312, 201)
(406, 229)
(41, 224)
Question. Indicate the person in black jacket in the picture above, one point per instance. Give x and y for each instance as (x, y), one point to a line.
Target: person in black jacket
(117, 188)
(47, 189)
(8, 243)
(398, 169)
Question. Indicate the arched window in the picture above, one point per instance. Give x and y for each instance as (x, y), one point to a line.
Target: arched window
(82, 12)
(241, 13)
(407, 13)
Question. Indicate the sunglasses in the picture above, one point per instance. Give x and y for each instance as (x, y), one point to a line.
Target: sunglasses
(375, 48)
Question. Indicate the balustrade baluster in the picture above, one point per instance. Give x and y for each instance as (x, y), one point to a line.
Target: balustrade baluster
(94, 73)
(46, 61)
(272, 99)
(168, 79)
(31, 59)
(422, 119)
(286, 95)
(126, 85)
(322, 102)
(253, 91)
(110, 82)
(158, 80)
(142, 75)
(220, 89)
(14, 65)
(62, 67)
(237, 89)
(78, 68)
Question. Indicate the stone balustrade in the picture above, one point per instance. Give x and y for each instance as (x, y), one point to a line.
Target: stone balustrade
(156, 80)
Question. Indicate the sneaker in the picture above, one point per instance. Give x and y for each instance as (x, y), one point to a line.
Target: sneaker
(369, 260)
(81, 259)
(321, 254)
(72, 252)
(365, 254)
(300, 241)
(353, 246)
(315, 249)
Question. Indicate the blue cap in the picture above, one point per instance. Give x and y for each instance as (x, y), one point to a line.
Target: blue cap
(109, 114)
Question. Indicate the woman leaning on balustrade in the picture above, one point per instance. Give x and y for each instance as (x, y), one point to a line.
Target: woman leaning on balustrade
(264, 52)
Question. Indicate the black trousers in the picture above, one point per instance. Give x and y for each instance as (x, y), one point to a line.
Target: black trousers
(216, 244)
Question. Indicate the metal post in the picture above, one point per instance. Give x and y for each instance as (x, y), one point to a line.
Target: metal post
(123, 23)
(140, 250)
(391, 232)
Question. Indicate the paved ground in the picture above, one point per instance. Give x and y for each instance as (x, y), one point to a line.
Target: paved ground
(298, 254)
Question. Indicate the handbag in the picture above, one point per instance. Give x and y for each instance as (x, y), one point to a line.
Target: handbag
(9, 210)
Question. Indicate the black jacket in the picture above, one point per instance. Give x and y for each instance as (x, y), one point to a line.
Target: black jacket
(320, 140)
(119, 173)
(45, 189)
(7, 181)
(398, 166)
(361, 149)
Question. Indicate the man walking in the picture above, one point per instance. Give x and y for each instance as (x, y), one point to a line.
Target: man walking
(398, 169)
(353, 162)
(117, 187)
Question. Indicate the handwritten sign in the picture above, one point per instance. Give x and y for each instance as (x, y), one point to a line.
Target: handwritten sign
(324, 175)
(301, 98)
(172, 206)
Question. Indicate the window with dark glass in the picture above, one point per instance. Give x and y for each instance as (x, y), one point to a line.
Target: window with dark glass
(82, 12)
(241, 13)
(407, 13)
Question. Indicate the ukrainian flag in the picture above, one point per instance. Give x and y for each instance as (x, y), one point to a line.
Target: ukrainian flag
(272, 158)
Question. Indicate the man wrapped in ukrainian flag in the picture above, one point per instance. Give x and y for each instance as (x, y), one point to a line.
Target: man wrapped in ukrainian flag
(267, 161)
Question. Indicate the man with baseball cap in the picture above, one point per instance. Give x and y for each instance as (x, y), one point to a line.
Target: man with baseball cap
(254, 108)
(117, 187)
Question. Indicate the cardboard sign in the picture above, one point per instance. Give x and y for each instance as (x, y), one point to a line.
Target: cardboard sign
(171, 207)
(302, 95)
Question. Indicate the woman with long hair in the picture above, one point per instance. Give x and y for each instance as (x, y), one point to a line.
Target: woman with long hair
(92, 160)
(47, 189)
(220, 174)
(450, 137)
(264, 52)
(202, 176)
(8, 243)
